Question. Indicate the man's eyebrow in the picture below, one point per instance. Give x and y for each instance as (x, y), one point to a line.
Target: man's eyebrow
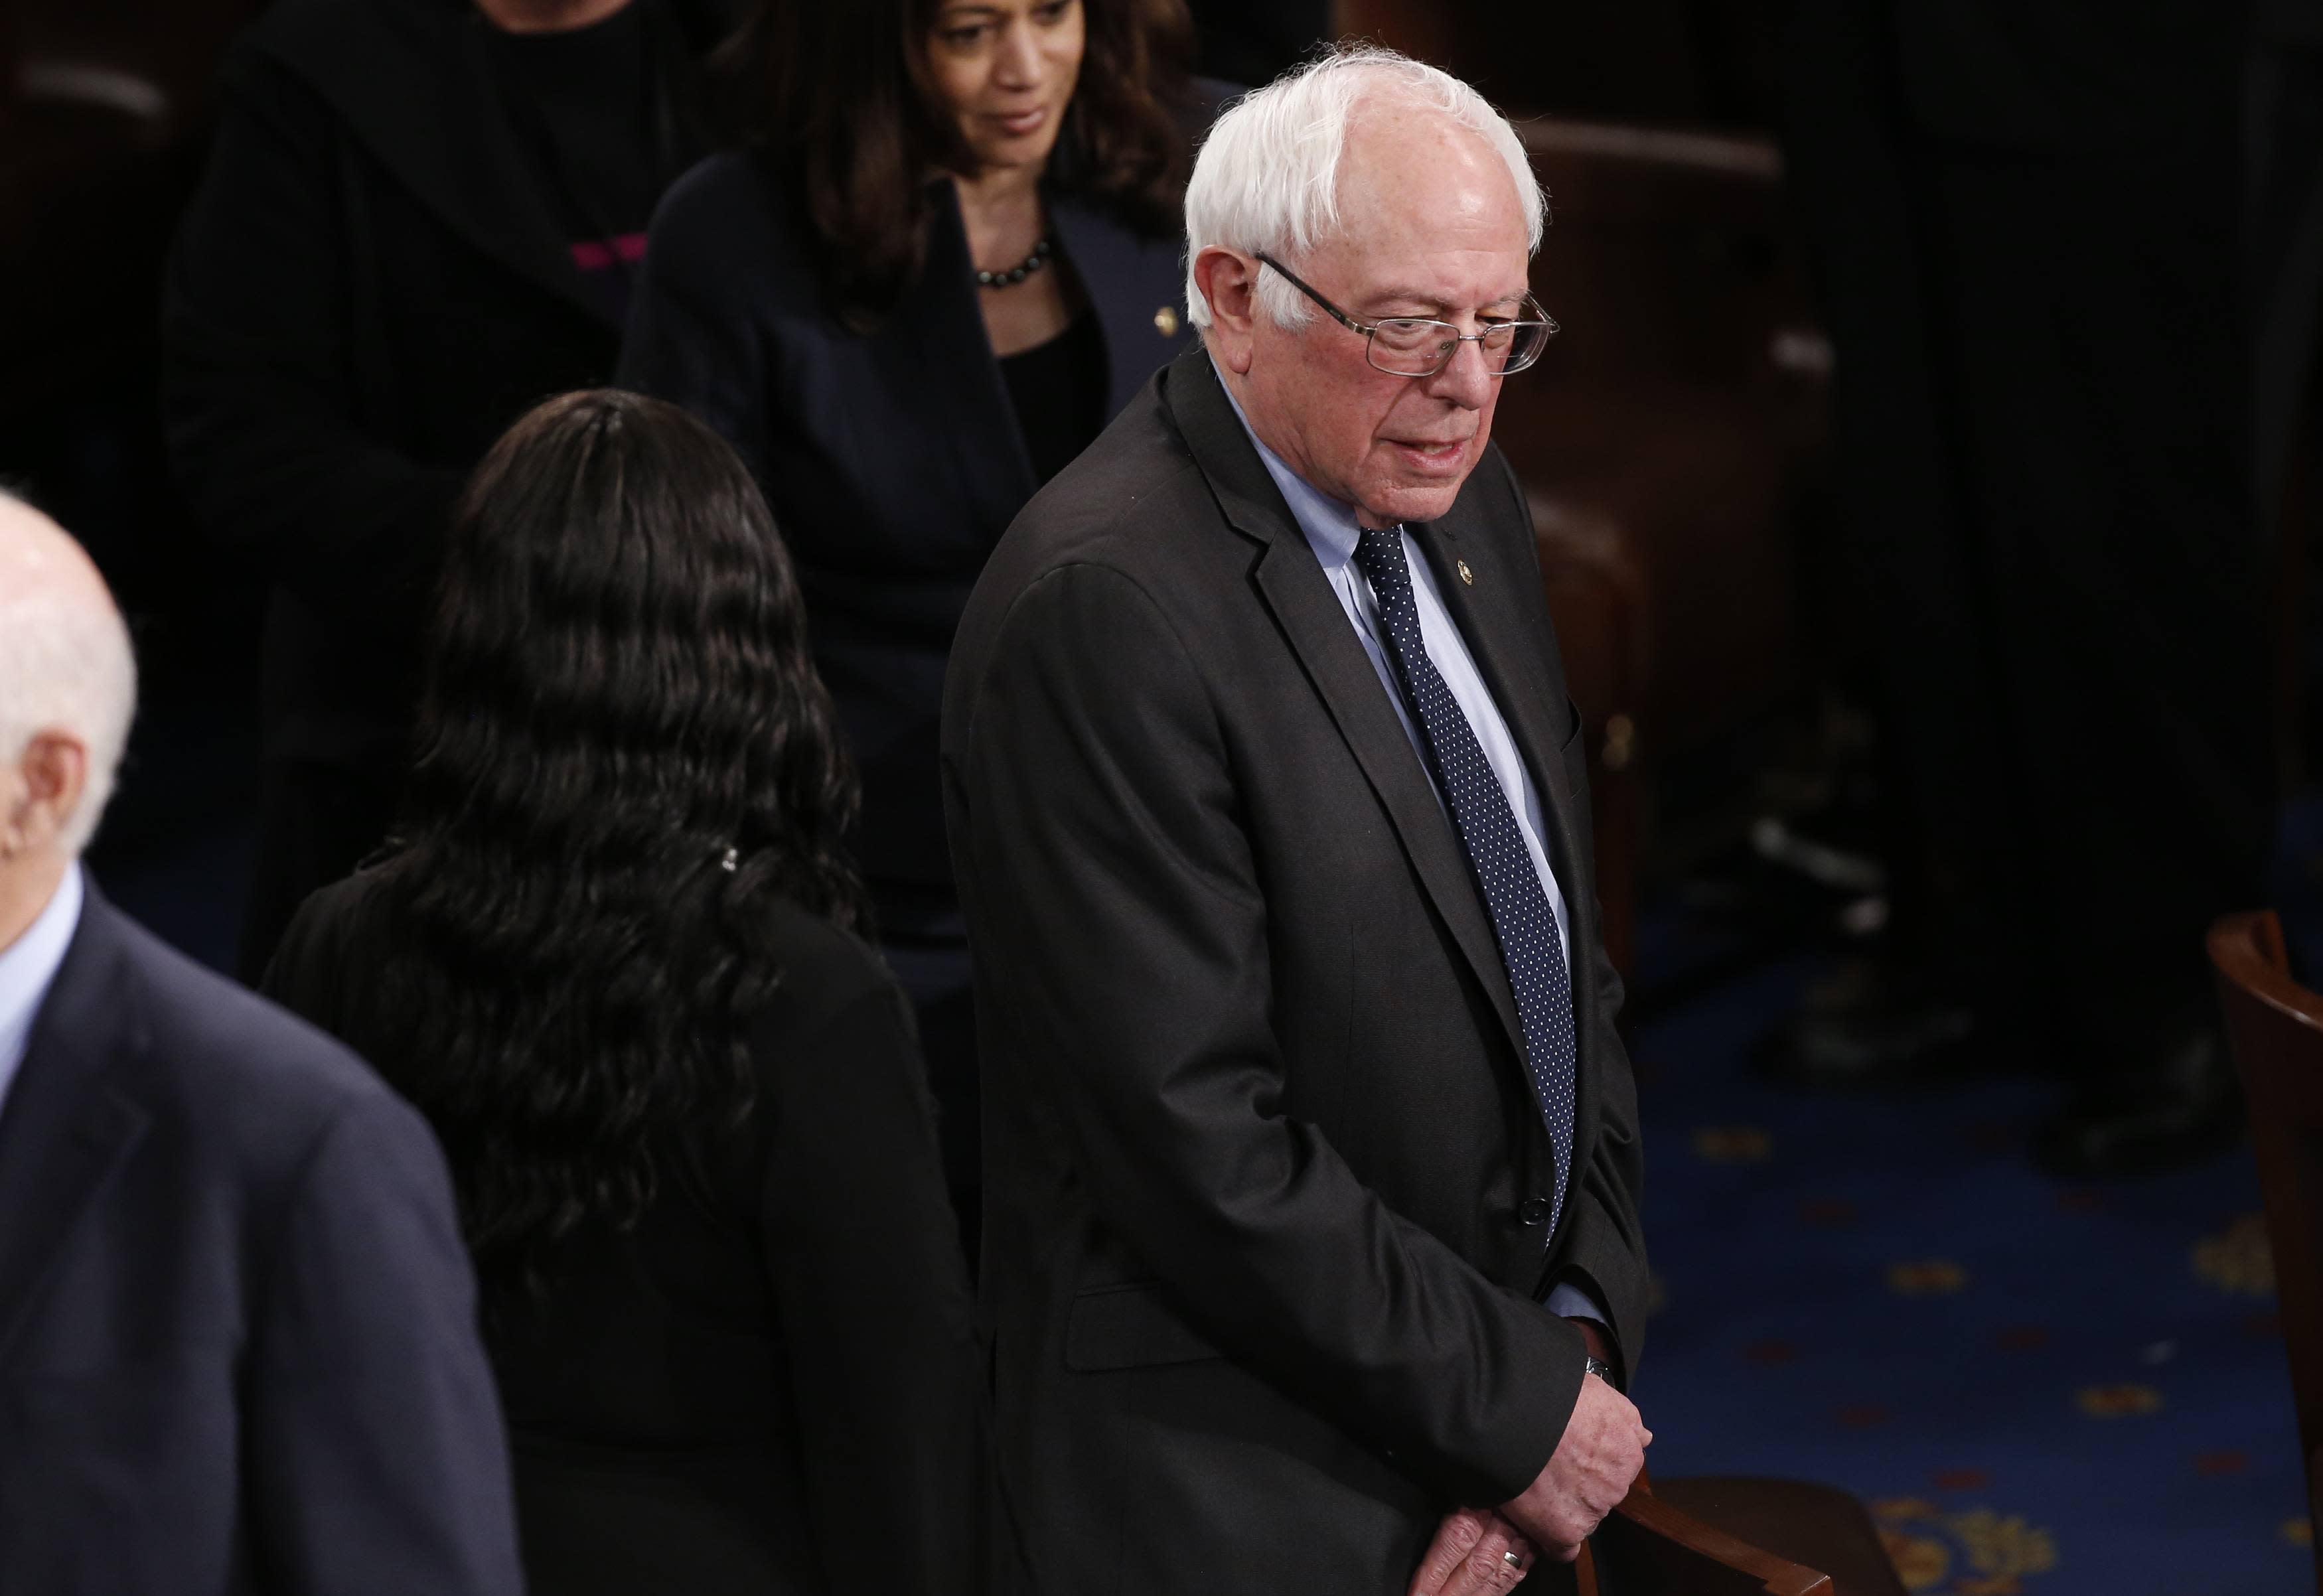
(1421, 296)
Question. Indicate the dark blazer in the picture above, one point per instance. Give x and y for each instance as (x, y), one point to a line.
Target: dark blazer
(892, 460)
(238, 1350)
(1263, 1247)
(770, 1385)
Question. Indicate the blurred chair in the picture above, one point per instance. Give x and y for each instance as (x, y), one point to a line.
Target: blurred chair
(2274, 1027)
(104, 106)
(1670, 442)
(1684, 402)
(1598, 599)
(1739, 1537)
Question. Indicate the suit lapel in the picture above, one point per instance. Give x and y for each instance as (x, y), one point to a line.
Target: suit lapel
(1290, 581)
(1135, 284)
(1491, 612)
(940, 329)
(68, 1126)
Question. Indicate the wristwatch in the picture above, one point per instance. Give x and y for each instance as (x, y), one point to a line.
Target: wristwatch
(1597, 1367)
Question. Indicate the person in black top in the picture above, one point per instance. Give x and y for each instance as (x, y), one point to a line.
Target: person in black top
(908, 308)
(421, 217)
(612, 959)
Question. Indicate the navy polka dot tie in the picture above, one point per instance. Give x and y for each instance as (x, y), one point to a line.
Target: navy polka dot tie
(1521, 917)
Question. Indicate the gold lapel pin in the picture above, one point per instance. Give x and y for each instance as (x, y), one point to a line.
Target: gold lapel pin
(1466, 575)
(1165, 321)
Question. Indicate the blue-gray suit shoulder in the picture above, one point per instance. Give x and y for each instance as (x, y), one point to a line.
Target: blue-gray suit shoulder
(226, 1221)
(244, 1077)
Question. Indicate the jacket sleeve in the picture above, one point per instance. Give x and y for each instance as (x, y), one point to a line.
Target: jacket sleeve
(1604, 1249)
(692, 338)
(259, 383)
(865, 1253)
(1122, 913)
(377, 1461)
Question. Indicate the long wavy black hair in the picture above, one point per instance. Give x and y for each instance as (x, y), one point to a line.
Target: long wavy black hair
(625, 759)
(848, 107)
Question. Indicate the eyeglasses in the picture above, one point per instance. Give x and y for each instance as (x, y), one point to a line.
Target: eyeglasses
(1418, 346)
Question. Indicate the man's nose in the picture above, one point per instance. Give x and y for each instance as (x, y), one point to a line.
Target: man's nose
(1466, 379)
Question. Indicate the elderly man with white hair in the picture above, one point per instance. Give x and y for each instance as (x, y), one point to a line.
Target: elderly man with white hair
(238, 1353)
(1312, 1258)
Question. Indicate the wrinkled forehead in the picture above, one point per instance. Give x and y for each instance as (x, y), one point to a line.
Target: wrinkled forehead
(1420, 194)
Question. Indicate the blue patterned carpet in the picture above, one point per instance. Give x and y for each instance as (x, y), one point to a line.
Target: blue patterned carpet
(2040, 1389)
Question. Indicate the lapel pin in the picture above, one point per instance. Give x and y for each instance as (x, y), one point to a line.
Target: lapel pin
(1466, 575)
(1165, 321)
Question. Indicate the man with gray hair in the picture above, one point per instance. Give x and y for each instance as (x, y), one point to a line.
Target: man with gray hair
(237, 1342)
(1311, 1255)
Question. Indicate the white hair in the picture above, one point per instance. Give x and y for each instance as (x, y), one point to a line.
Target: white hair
(67, 663)
(1268, 176)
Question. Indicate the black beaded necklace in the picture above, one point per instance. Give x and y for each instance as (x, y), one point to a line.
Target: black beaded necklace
(1018, 272)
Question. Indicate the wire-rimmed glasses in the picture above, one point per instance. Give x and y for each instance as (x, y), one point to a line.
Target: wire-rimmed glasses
(1421, 346)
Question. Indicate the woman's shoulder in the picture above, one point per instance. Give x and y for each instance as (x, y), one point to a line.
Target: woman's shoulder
(329, 931)
(728, 232)
(1204, 101)
(725, 199)
(823, 973)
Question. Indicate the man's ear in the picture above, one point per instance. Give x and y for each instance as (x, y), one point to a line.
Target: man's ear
(1228, 280)
(42, 792)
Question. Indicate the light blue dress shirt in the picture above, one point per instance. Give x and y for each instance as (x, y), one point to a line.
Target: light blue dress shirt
(1332, 533)
(28, 965)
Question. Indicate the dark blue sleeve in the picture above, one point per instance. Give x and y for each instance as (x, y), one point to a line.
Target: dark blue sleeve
(376, 1456)
(693, 337)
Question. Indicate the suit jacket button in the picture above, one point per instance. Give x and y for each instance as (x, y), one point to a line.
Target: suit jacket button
(1533, 1212)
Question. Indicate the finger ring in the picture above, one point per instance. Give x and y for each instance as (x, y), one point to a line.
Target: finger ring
(1512, 1560)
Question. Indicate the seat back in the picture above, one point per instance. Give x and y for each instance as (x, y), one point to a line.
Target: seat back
(2274, 1027)
(1648, 1547)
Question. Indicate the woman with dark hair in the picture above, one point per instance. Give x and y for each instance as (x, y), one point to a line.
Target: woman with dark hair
(609, 955)
(951, 258)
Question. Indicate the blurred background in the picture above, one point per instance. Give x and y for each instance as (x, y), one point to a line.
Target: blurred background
(1920, 480)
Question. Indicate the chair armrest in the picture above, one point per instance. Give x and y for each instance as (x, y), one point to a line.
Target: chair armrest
(1659, 1549)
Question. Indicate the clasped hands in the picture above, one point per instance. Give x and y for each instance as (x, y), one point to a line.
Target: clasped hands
(1595, 1463)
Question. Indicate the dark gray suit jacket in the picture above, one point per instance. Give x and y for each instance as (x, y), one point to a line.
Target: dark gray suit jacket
(1263, 1248)
(237, 1340)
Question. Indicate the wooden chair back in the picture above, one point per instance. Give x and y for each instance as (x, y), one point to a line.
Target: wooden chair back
(2274, 1027)
(1652, 1548)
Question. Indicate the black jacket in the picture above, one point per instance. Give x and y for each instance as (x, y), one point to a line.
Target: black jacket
(769, 1387)
(893, 461)
(238, 1348)
(371, 283)
(1261, 1271)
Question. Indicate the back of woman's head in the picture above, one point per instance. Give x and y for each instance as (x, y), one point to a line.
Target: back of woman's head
(626, 759)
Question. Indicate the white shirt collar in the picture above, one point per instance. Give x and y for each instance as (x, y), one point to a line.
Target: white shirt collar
(28, 965)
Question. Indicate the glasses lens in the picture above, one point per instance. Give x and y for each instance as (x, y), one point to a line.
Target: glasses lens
(1516, 346)
(1409, 347)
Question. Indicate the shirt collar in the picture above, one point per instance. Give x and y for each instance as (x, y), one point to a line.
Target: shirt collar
(1329, 525)
(28, 965)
